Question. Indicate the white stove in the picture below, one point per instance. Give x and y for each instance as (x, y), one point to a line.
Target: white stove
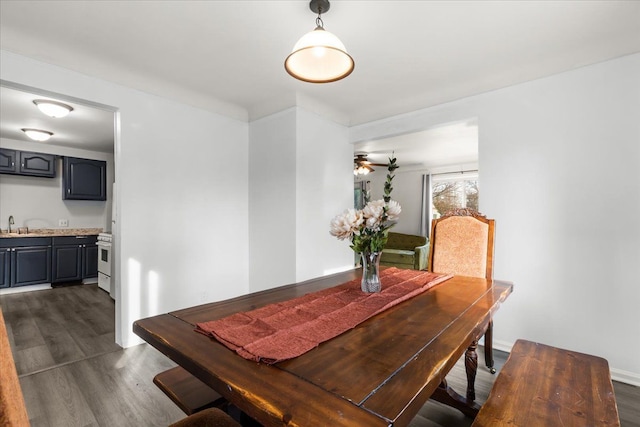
(105, 253)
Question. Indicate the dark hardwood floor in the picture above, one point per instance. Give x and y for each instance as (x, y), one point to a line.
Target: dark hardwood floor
(73, 374)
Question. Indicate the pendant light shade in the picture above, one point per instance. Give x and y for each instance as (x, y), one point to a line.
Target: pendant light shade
(319, 56)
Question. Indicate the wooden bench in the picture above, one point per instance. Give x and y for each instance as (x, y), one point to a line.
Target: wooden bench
(13, 412)
(189, 393)
(545, 386)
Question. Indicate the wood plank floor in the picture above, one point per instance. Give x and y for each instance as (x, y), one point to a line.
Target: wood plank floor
(73, 374)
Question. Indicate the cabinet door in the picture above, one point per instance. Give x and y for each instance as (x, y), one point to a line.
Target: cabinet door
(30, 265)
(84, 179)
(5, 255)
(67, 263)
(37, 164)
(7, 161)
(90, 261)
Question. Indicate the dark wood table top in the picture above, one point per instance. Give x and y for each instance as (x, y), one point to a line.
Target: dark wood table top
(377, 374)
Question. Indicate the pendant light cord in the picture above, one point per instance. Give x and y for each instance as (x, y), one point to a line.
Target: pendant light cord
(319, 22)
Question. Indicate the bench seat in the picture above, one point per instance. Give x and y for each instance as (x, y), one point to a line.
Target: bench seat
(13, 412)
(543, 386)
(189, 393)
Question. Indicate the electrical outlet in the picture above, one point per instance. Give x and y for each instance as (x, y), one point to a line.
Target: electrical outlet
(63, 223)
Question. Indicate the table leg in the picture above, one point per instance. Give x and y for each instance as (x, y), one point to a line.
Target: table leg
(488, 348)
(448, 396)
(471, 366)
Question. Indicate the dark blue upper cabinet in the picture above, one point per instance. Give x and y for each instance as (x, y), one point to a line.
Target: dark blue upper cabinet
(27, 163)
(8, 161)
(84, 179)
(37, 164)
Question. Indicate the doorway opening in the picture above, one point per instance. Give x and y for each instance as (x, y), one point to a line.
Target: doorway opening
(437, 165)
(88, 132)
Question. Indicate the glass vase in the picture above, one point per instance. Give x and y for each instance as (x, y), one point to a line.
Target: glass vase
(370, 272)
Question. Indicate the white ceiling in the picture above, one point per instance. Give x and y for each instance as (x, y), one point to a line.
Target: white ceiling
(85, 127)
(227, 56)
(449, 147)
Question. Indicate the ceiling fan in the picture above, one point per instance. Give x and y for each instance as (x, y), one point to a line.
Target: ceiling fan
(362, 166)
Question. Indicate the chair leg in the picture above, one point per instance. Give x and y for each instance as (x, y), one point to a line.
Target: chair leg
(488, 347)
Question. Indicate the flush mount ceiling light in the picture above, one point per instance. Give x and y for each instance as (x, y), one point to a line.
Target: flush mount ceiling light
(37, 134)
(53, 108)
(319, 56)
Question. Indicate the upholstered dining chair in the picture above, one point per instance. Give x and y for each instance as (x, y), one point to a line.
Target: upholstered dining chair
(462, 244)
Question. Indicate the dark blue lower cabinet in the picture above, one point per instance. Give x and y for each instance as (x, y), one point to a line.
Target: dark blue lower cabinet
(74, 258)
(25, 261)
(30, 265)
(5, 267)
(31, 261)
(67, 263)
(90, 261)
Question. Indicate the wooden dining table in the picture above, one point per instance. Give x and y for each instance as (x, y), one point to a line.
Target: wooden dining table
(379, 373)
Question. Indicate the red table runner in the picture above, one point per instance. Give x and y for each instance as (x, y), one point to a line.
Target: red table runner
(290, 328)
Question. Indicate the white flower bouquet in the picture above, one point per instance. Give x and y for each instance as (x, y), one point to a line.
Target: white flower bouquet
(368, 228)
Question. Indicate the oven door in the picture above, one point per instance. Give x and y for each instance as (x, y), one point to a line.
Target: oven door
(104, 257)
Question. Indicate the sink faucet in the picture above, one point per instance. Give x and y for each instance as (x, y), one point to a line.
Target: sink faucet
(10, 222)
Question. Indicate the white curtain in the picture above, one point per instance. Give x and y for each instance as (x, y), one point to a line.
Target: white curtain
(425, 217)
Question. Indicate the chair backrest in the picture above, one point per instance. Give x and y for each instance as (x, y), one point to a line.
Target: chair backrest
(462, 244)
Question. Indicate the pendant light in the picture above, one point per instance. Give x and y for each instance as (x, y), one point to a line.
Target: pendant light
(319, 56)
(53, 108)
(37, 134)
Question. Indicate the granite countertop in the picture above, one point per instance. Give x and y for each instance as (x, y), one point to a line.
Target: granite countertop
(50, 232)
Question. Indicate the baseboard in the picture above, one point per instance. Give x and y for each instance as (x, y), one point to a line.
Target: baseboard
(502, 346)
(631, 378)
(21, 289)
(626, 377)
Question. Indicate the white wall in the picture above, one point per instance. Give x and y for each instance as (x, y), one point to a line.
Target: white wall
(182, 173)
(300, 172)
(272, 200)
(36, 202)
(407, 190)
(324, 178)
(559, 162)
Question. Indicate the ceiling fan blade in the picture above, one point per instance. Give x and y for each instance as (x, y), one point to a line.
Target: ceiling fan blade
(360, 160)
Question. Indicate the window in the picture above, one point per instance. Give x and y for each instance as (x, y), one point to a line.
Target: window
(453, 191)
